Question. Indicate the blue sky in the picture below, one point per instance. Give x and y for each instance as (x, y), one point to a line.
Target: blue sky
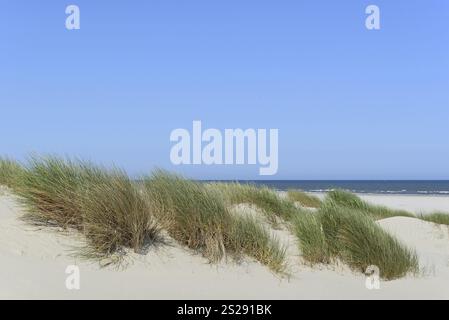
(349, 103)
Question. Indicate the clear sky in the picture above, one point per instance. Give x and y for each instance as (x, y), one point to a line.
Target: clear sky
(349, 103)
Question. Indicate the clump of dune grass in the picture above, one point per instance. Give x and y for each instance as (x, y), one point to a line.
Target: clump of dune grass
(350, 200)
(116, 214)
(10, 172)
(192, 215)
(264, 198)
(312, 241)
(355, 238)
(304, 199)
(436, 217)
(104, 205)
(53, 189)
(253, 239)
(113, 212)
(197, 216)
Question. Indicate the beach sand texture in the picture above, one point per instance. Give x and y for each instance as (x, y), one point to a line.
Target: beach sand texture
(34, 260)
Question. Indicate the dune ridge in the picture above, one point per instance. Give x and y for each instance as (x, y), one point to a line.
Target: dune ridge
(258, 243)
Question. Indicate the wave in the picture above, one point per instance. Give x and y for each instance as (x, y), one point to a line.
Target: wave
(424, 187)
(433, 192)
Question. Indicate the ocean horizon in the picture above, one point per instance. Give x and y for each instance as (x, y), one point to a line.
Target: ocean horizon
(411, 187)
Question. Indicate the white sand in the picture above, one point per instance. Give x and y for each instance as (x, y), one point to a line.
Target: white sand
(414, 203)
(33, 264)
(417, 204)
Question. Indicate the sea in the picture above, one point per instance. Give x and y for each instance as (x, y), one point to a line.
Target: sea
(411, 187)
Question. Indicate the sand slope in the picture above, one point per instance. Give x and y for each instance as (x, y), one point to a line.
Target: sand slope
(33, 264)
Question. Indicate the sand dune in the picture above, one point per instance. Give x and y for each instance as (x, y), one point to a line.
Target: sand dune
(34, 261)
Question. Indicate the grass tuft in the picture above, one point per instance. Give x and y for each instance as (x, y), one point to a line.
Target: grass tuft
(304, 199)
(254, 240)
(117, 214)
(355, 238)
(197, 216)
(10, 172)
(436, 217)
(264, 198)
(312, 241)
(192, 214)
(350, 200)
(104, 205)
(51, 189)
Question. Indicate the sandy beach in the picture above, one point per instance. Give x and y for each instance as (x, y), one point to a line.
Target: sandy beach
(418, 204)
(226, 151)
(34, 261)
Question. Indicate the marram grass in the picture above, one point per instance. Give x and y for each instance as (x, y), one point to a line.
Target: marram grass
(104, 205)
(436, 217)
(116, 214)
(355, 238)
(191, 214)
(304, 199)
(352, 236)
(311, 239)
(10, 172)
(51, 188)
(274, 207)
(350, 200)
(113, 212)
(196, 216)
(253, 239)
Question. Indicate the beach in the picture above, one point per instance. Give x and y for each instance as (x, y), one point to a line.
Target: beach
(34, 261)
(234, 151)
(418, 204)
